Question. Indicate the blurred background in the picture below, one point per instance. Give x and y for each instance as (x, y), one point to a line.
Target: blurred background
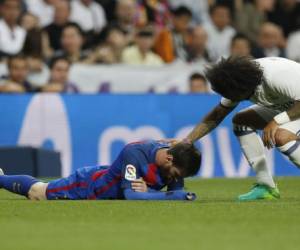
(128, 70)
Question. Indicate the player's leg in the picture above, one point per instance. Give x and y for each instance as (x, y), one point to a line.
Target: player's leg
(288, 141)
(37, 191)
(74, 187)
(246, 123)
(18, 184)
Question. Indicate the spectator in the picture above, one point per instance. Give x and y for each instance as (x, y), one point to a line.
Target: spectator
(171, 43)
(36, 43)
(287, 15)
(29, 21)
(72, 43)
(111, 49)
(59, 77)
(16, 81)
(62, 11)
(199, 9)
(12, 36)
(43, 9)
(293, 46)
(154, 12)
(240, 46)
(125, 13)
(249, 17)
(109, 7)
(140, 53)
(197, 46)
(198, 84)
(269, 41)
(219, 32)
(90, 16)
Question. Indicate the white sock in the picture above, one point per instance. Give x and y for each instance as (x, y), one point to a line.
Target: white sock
(253, 149)
(292, 150)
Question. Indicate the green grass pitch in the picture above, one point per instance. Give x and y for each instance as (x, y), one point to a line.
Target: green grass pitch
(214, 222)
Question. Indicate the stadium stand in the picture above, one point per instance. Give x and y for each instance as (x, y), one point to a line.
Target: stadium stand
(105, 36)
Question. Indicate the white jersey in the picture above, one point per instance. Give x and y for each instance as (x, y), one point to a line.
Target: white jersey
(281, 87)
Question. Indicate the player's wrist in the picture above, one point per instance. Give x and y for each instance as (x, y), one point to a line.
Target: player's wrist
(282, 118)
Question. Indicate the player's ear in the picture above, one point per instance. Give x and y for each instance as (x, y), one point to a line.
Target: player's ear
(169, 158)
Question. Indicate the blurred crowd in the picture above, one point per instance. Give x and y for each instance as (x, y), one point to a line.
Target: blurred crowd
(58, 33)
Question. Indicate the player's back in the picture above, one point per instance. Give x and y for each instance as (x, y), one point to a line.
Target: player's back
(281, 86)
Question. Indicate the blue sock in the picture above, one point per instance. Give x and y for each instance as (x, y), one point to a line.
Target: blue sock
(18, 184)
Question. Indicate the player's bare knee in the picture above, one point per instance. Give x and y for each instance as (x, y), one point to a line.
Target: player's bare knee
(37, 191)
(284, 136)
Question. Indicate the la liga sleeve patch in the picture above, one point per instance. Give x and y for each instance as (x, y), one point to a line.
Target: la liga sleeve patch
(130, 173)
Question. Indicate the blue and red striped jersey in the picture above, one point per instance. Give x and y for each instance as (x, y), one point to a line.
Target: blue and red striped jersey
(136, 160)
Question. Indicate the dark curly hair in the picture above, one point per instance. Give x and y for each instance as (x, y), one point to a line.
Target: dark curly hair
(186, 157)
(235, 77)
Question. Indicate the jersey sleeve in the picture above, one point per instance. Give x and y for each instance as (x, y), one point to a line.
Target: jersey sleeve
(227, 103)
(130, 168)
(158, 195)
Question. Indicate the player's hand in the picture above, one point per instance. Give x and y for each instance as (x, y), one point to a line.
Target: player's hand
(139, 185)
(269, 134)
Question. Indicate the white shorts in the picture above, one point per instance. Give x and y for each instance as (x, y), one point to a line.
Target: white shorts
(267, 114)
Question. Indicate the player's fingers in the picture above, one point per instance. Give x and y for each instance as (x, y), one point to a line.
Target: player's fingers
(272, 138)
(139, 186)
(273, 133)
(136, 189)
(270, 141)
(264, 138)
(139, 189)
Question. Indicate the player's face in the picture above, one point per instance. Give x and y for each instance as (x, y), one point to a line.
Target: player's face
(168, 170)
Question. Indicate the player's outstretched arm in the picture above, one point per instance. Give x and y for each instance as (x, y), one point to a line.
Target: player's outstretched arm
(158, 195)
(210, 121)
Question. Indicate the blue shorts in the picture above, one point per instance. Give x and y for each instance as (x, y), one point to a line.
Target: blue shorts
(77, 186)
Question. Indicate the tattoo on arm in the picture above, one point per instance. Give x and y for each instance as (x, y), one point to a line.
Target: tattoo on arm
(294, 111)
(210, 121)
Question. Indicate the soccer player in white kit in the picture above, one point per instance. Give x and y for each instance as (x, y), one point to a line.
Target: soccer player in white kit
(273, 85)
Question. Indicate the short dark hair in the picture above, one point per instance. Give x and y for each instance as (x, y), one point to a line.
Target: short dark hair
(75, 26)
(234, 76)
(108, 29)
(33, 43)
(15, 57)
(186, 157)
(55, 59)
(182, 11)
(219, 5)
(240, 36)
(197, 76)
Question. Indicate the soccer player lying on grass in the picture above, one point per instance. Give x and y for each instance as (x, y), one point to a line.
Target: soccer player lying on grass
(139, 173)
(273, 85)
